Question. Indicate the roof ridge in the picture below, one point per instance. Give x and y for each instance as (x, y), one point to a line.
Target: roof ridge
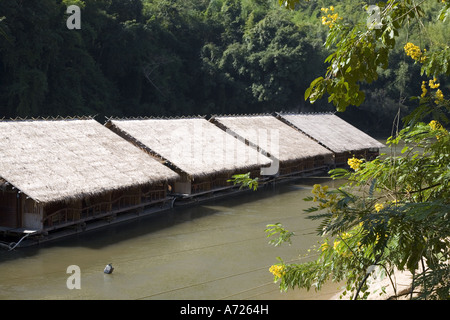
(112, 118)
(243, 115)
(305, 113)
(49, 118)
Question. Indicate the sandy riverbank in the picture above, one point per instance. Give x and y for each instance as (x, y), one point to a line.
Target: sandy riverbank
(382, 288)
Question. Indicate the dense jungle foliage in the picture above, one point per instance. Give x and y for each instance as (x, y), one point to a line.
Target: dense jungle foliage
(172, 58)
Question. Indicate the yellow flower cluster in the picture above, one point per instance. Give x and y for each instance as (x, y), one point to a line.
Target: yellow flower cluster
(354, 163)
(331, 8)
(327, 200)
(424, 89)
(345, 235)
(342, 249)
(319, 191)
(336, 243)
(433, 85)
(330, 19)
(436, 126)
(324, 246)
(277, 270)
(378, 207)
(414, 52)
(439, 96)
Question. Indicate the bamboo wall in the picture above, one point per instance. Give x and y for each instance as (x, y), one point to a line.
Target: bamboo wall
(62, 213)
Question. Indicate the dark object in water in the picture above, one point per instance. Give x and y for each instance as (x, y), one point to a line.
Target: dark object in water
(108, 269)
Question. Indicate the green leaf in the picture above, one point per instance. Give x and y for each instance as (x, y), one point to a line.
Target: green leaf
(277, 228)
(307, 93)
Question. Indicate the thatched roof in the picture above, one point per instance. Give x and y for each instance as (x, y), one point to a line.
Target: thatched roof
(272, 136)
(331, 131)
(65, 159)
(192, 145)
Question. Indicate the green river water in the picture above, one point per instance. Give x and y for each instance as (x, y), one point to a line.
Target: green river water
(215, 250)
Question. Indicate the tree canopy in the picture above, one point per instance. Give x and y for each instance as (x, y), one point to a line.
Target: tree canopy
(171, 58)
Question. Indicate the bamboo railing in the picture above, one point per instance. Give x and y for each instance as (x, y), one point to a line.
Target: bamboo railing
(105, 208)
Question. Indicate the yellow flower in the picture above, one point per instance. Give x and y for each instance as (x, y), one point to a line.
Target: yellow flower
(345, 235)
(439, 95)
(424, 89)
(319, 191)
(432, 84)
(277, 270)
(330, 19)
(354, 163)
(336, 243)
(326, 200)
(414, 52)
(324, 246)
(316, 188)
(378, 207)
(435, 125)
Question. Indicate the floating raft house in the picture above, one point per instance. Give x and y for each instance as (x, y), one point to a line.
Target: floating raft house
(62, 176)
(294, 152)
(63, 173)
(204, 155)
(337, 135)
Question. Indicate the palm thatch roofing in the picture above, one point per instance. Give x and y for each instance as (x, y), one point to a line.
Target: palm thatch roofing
(194, 146)
(56, 160)
(272, 136)
(333, 132)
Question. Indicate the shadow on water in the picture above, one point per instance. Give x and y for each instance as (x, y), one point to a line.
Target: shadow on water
(155, 222)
